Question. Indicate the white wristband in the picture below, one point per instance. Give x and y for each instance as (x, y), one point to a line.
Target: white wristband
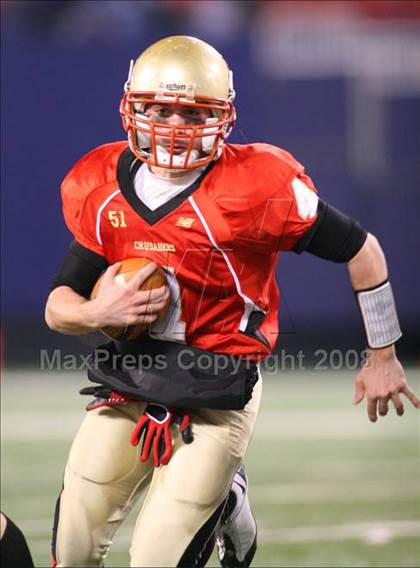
(379, 314)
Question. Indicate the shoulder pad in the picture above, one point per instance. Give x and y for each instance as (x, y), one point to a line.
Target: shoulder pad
(95, 169)
(261, 155)
(255, 173)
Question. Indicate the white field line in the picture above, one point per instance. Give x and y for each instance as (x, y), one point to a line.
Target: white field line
(271, 424)
(319, 492)
(337, 424)
(371, 532)
(27, 426)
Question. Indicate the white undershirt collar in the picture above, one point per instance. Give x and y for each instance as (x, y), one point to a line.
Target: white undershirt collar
(155, 191)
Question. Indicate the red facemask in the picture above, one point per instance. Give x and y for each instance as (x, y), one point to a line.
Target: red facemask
(143, 133)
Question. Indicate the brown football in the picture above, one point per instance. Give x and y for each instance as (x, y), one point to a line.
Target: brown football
(127, 270)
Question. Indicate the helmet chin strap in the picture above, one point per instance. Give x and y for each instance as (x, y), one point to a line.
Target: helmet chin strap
(207, 142)
(164, 157)
(143, 138)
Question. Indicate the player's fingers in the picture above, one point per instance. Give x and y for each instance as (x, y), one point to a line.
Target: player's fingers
(138, 430)
(166, 450)
(151, 296)
(383, 406)
(158, 294)
(411, 396)
(140, 318)
(150, 308)
(147, 443)
(146, 318)
(359, 393)
(399, 407)
(157, 448)
(111, 272)
(142, 275)
(143, 310)
(371, 409)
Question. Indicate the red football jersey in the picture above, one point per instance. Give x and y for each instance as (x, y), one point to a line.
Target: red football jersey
(218, 239)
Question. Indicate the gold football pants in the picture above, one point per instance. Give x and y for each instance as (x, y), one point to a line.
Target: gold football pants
(104, 477)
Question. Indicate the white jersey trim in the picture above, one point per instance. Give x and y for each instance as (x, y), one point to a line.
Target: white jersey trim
(249, 305)
(306, 199)
(98, 215)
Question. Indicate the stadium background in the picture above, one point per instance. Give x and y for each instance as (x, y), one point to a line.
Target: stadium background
(338, 85)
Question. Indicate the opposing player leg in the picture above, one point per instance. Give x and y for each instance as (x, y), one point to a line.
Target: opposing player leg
(14, 550)
(186, 497)
(102, 479)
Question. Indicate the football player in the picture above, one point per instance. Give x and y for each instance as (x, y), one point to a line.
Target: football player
(14, 550)
(215, 216)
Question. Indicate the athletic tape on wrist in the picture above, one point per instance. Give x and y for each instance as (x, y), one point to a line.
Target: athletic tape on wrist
(379, 314)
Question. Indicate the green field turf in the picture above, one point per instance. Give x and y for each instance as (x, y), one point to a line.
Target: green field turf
(328, 488)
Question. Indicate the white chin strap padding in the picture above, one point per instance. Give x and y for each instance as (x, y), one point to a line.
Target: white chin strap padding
(164, 157)
(207, 142)
(143, 138)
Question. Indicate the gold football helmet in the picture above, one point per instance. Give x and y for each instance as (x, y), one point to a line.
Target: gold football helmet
(178, 70)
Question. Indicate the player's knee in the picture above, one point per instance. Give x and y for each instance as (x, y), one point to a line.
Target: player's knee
(203, 483)
(106, 462)
(76, 560)
(78, 538)
(199, 549)
(79, 550)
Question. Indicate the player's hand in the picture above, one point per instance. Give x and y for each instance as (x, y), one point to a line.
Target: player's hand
(382, 379)
(154, 427)
(124, 304)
